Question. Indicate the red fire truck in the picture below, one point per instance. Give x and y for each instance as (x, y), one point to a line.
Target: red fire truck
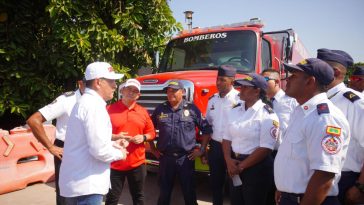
(195, 55)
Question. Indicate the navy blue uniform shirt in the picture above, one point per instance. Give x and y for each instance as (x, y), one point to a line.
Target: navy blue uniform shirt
(177, 131)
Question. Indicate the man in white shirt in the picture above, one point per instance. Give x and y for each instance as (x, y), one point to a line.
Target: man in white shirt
(60, 109)
(351, 103)
(217, 109)
(88, 149)
(282, 104)
(309, 161)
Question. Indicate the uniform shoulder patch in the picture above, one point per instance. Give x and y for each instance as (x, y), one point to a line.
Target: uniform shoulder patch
(237, 105)
(322, 108)
(351, 96)
(269, 109)
(70, 93)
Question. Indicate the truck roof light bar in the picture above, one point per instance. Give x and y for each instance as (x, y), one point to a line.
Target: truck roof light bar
(253, 22)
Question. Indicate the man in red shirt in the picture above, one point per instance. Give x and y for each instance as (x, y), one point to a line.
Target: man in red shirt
(130, 122)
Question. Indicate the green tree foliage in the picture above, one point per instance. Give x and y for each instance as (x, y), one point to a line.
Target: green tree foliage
(45, 46)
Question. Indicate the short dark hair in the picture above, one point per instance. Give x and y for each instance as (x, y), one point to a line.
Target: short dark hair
(273, 73)
(270, 70)
(89, 83)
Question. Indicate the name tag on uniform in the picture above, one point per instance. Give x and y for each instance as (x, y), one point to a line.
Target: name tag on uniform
(162, 115)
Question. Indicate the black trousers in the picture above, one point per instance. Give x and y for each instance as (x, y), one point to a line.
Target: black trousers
(295, 199)
(136, 179)
(171, 166)
(347, 180)
(257, 181)
(273, 189)
(217, 172)
(57, 165)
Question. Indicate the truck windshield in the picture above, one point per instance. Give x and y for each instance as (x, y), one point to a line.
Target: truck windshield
(209, 51)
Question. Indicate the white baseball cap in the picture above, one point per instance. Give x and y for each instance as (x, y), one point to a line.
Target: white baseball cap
(132, 82)
(101, 70)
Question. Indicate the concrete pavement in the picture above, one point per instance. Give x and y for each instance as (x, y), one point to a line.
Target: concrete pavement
(44, 194)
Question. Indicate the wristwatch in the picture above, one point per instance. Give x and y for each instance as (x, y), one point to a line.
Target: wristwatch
(359, 186)
(144, 138)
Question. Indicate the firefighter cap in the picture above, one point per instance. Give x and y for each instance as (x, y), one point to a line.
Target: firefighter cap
(175, 84)
(132, 82)
(101, 70)
(337, 56)
(226, 70)
(317, 68)
(252, 79)
(359, 70)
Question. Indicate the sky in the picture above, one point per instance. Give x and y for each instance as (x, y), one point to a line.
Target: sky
(332, 24)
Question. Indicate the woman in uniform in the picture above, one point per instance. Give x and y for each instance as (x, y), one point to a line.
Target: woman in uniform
(248, 141)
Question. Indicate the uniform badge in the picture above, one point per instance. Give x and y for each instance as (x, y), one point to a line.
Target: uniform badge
(186, 113)
(351, 96)
(331, 144)
(69, 93)
(274, 132)
(322, 108)
(162, 115)
(335, 131)
(275, 123)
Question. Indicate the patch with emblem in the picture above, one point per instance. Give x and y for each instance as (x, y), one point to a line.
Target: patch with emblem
(351, 96)
(335, 131)
(322, 108)
(186, 113)
(212, 107)
(303, 62)
(331, 144)
(275, 123)
(70, 93)
(248, 78)
(274, 132)
(162, 115)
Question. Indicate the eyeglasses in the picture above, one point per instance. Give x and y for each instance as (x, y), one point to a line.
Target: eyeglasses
(268, 79)
(356, 78)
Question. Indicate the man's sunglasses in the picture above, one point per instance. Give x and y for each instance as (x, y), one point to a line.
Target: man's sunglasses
(268, 79)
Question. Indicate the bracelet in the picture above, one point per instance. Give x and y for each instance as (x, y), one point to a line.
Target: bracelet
(144, 138)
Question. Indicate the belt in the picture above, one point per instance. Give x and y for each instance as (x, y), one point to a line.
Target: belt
(298, 197)
(240, 156)
(292, 196)
(175, 154)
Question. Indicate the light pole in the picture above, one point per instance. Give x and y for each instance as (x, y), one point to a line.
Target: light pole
(188, 18)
